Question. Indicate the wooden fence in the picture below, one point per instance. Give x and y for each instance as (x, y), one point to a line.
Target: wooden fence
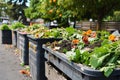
(93, 25)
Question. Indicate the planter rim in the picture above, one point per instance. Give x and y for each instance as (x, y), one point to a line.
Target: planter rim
(5, 30)
(80, 67)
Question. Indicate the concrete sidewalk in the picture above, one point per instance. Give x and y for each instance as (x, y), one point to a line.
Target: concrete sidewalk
(10, 65)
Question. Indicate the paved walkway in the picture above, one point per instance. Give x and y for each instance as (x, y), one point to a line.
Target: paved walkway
(10, 65)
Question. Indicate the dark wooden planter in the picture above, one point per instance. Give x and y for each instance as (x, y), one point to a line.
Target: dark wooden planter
(24, 48)
(76, 71)
(6, 37)
(36, 57)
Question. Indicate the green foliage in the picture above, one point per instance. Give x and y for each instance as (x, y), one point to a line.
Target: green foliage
(15, 10)
(4, 27)
(61, 10)
(55, 33)
(22, 64)
(108, 70)
(103, 35)
(53, 10)
(70, 31)
(105, 41)
(114, 17)
(85, 57)
(17, 25)
(105, 58)
(97, 61)
(32, 11)
(77, 56)
(2, 7)
(35, 26)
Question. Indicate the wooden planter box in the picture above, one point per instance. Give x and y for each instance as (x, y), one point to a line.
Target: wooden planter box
(6, 37)
(76, 71)
(36, 57)
(24, 48)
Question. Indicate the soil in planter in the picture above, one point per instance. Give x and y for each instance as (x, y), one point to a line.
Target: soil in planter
(66, 45)
(62, 46)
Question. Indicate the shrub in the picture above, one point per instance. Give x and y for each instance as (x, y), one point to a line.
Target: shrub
(4, 27)
(17, 25)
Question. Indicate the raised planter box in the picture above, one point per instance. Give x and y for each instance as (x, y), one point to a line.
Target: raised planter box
(76, 71)
(24, 48)
(6, 37)
(36, 57)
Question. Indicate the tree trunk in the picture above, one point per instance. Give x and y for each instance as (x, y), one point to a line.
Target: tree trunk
(99, 24)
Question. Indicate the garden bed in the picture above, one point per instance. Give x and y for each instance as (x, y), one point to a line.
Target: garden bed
(36, 57)
(24, 48)
(6, 36)
(76, 71)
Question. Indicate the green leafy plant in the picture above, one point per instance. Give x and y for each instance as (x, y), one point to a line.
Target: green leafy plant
(4, 27)
(22, 64)
(105, 58)
(17, 25)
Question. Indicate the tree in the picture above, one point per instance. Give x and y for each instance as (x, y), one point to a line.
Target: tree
(2, 8)
(61, 10)
(96, 9)
(99, 9)
(32, 11)
(54, 10)
(76, 7)
(15, 10)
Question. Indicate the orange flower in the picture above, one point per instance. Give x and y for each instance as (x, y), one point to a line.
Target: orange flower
(112, 37)
(75, 41)
(88, 32)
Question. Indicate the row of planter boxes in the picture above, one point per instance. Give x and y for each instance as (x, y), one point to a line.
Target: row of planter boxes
(46, 64)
